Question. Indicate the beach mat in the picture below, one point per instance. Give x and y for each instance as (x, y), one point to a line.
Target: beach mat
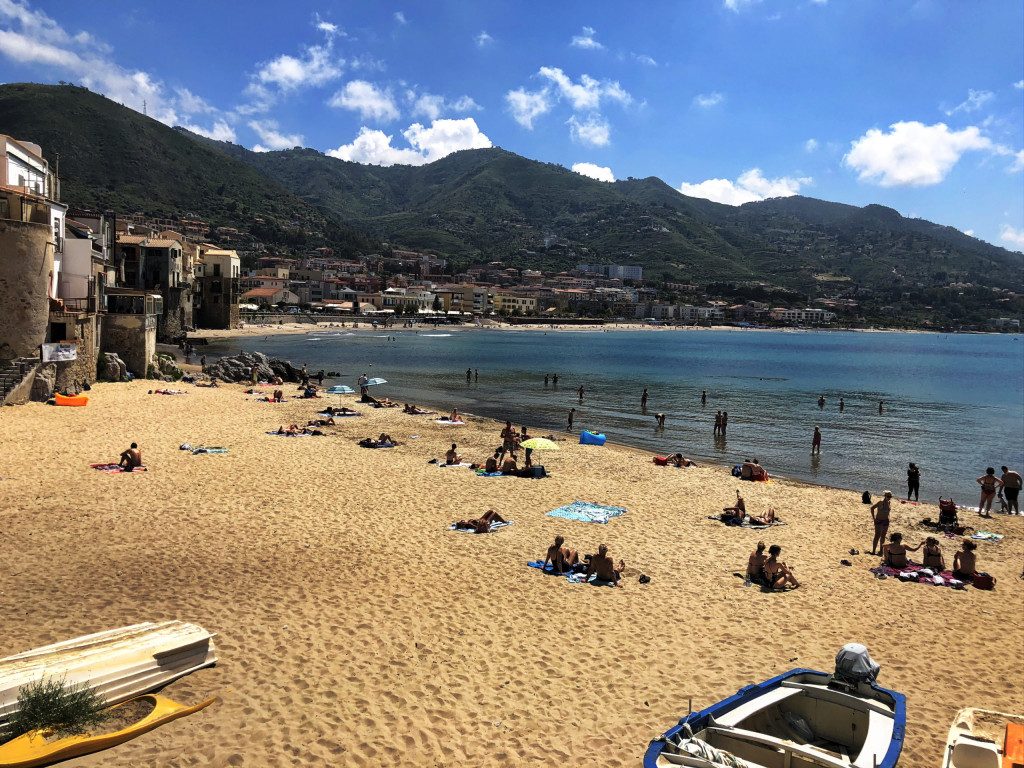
(586, 512)
(279, 434)
(338, 415)
(986, 536)
(494, 527)
(115, 469)
(746, 523)
(913, 573)
(449, 423)
(572, 578)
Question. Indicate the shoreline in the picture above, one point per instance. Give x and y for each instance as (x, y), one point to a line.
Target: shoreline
(346, 612)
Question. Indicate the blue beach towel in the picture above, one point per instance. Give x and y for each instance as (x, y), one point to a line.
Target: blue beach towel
(572, 578)
(481, 473)
(587, 512)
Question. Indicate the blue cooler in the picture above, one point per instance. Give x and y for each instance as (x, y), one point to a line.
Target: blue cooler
(589, 438)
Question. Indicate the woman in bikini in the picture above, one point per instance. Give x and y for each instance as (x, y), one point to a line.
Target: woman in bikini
(562, 559)
(880, 515)
(481, 524)
(964, 562)
(989, 485)
(933, 555)
(737, 511)
(894, 554)
(776, 573)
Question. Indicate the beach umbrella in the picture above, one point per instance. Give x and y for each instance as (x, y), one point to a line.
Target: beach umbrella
(372, 382)
(541, 444)
(340, 389)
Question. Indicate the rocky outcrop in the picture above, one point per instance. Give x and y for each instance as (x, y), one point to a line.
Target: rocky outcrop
(168, 369)
(110, 367)
(239, 368)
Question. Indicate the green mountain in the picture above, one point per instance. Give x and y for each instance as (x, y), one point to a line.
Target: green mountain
(111, 157)
(492, 205)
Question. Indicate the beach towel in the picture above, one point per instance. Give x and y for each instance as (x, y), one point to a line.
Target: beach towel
(986, 536)
(573, 577)
(463, 464)
(747, 523)
(481, 473)
(201, 449)
(587, 512)
(918, 573)
(494, 527)
(338, 415)
(450, 423)
(116, 469)
(363, 444)
(279, 434)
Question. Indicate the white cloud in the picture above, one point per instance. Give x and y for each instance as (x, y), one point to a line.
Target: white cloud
(433, 106)
(483, 39)
(1019, 85)
(400, 17)
(1018, 162)
(220, 131)
(975, 100)
(369, 101)
(526, 105)
(586, 40)
(288, 73)
(708, 100)
(969, 232)
(427, 144)
(190, 104)
(593, 132)
(587, 94)
(737, 5)
(811, 145)
(750, 187)
(599, 172)
(272, 137)
(643, 58)
(911, 154)
(1012, 235)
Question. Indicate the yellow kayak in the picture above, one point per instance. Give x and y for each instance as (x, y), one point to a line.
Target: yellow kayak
(32, 749)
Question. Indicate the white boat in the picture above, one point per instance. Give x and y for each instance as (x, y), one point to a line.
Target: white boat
(800, 718)
(118, 663)
(981, 738)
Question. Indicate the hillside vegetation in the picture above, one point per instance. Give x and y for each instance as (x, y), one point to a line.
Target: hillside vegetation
(492, 205)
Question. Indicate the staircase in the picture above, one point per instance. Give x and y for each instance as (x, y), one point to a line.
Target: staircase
(13, 373)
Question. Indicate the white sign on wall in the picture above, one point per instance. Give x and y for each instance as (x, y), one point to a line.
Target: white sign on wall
(59, 353)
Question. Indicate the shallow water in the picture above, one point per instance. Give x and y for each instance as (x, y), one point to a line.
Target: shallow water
(954, 404)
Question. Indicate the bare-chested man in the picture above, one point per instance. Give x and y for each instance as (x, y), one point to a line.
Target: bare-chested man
(562, 559)
(602, 566)
(509, 466)
(1011, 490)
(491, 465)
(880, 516)
(755, 563)
(131, 458)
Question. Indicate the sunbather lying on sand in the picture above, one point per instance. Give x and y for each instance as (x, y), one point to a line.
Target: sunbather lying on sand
(415, 410)
(293, 429)
(738, 511)
(768, 518)
(602, 566)
(167, 392)
(481, 524)
(562, 559)
(678, 460)
(328, 422)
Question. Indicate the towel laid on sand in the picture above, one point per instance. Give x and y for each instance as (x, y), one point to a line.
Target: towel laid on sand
(494, 527)
(450, 423)
(986, 536)
(116, 469)
(747, 523)
(284, 434)
(918, 573)
(338, 415)
(481, 473)
(574, 577)
(586, 512)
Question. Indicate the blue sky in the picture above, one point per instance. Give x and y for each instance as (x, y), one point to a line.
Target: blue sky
(913, 104)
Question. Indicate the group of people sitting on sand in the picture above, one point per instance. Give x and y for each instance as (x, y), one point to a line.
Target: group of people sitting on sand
(564, 560)
(738, 512)
(768, 570)
(894, 555)
(752, 470)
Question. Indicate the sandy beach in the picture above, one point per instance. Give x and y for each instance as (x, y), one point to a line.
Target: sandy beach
(354, 629)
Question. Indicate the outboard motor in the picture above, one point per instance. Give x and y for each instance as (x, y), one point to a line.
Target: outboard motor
(854, 665)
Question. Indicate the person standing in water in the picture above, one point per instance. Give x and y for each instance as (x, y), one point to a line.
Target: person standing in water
(913, 481)
(842, 404)
(579, 392)
(643, 399)
(572, 415)
(704, 397)
(816, 441)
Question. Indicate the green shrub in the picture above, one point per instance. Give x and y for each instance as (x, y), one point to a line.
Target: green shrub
(101, 365)
(51, 703)
(150, 371)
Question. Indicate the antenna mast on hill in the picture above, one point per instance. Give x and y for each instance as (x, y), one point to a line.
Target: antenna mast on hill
(144, 107)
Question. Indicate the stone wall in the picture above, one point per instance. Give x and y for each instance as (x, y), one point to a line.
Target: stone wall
(83, 369)
(177, 316)
(26, 265)
(132, 338)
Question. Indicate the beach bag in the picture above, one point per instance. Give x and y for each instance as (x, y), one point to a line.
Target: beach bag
(983, 581)
(537, 470)
(661, 462)
(866, 497)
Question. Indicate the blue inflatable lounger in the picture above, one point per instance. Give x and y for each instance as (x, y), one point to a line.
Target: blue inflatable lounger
(591, 438)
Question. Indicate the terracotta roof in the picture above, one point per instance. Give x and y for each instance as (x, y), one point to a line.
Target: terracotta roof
(130, 239)
(158, 243)
(257, 292)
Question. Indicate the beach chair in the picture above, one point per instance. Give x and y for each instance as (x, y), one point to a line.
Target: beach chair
(947, 513)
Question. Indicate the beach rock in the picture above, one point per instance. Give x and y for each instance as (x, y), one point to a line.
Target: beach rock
(168, 367)
(43, 384)
(239, 368)
(112, 367)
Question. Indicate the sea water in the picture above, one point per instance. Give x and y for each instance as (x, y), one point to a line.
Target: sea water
(953, 404)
